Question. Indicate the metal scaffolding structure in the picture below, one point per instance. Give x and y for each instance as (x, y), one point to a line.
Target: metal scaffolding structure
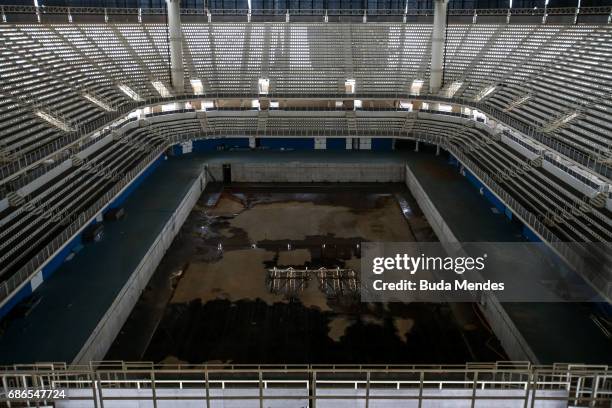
(336, 282)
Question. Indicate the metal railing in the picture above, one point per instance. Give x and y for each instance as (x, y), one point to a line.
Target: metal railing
(516, 383)
(591, 161)
(22, 9)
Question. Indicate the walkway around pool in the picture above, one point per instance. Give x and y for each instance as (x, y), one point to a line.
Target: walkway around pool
(555, 332)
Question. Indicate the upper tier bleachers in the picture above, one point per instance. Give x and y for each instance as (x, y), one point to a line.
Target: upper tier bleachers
(555, 78)
(307, 58)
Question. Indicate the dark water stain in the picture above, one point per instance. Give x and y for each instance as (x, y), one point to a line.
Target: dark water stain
(327, 251)
(251, 331)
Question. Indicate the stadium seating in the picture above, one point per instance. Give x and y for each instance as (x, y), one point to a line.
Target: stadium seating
(50, 67)
(50, 208)
(63, 82)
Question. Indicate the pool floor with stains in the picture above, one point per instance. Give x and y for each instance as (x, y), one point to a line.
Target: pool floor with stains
(212, 299)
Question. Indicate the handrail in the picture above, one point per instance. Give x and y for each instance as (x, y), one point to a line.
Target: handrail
(524, 382)
(110, 366)
(22, 9)
(9, 171)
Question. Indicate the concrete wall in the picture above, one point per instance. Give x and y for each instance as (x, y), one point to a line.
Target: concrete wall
(437, 223)
(511, 339)
(108, 327)
(312, 172)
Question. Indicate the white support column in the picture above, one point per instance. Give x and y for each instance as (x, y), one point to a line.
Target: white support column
(37, 12)
(437, 46)
(176, 45)
(577, 12)
(365, 143)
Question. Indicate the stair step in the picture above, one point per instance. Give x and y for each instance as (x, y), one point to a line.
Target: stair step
(77, 161)
(599, 200)
(14, 199)
(537, 162)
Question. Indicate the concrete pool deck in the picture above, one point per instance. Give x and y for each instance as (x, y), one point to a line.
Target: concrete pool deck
(556, 332)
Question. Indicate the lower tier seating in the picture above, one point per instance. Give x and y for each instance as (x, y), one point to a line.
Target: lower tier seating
(47, 212)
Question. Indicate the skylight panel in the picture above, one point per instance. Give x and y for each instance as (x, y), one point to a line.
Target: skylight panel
(129, 92)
